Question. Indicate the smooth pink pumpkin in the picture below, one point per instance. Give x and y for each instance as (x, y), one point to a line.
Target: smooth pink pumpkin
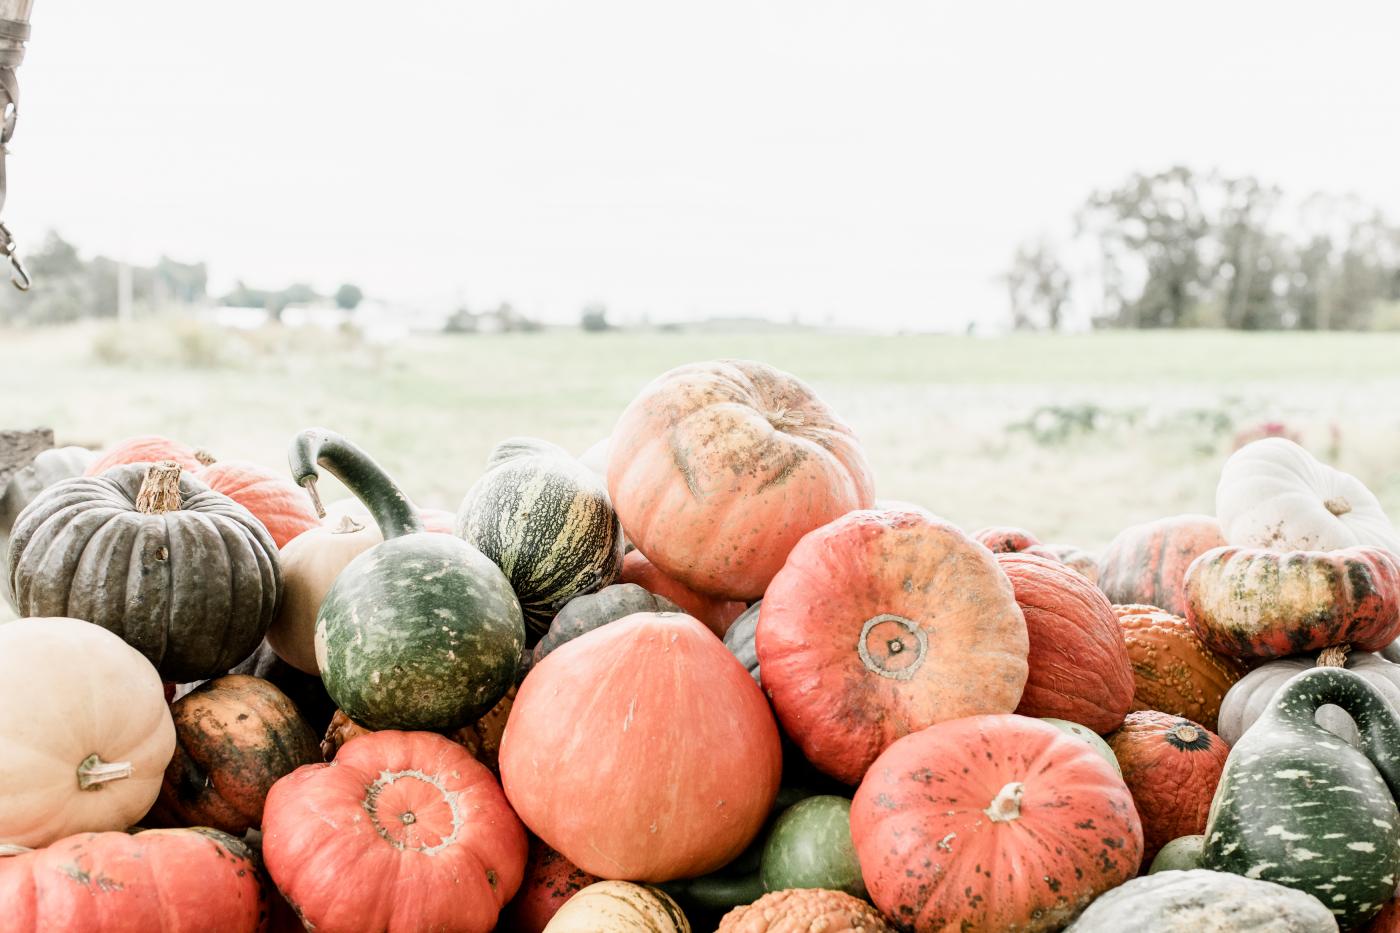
(280, 504)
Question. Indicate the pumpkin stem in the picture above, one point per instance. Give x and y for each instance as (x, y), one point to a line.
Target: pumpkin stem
(1337, 506)
(94, 772)
(347, 526)
(1335, 656)
(160, 490)
(309, 484)
(1006, 806)
(782, 419)
(204, 457)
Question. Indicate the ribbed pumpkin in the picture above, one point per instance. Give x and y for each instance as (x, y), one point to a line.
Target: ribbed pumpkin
(715, 612)
(403, 831)
(1256, 603)
(482, 738)
(583, 614)
(273, 499)
(546, 521)
(49, 467)
(1172, 766)
(171, 880)
(718, 469)
(1197, 900)
(1248, 699)
(883, 623)
(805, 911)
(550, 880)
(1005, 539)
(992, 823)
(149, 448)
(184, 574)
(1173, 670)
(236, 736)
(619, 907)
(1078, 660)
(660, 714)
(1146, 564)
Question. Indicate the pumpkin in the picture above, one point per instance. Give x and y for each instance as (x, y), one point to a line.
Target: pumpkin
(810, 846)
(805, 911)
(235, 736)
(481, 738)
(653, 708)
(546, 521)
(403, 831)
(596, 458)
(883, 623)
(1173, 670)
(1003, 539)
(739, 639)
(1272, 818)
(1085, 734)
(1181, 854)
(91, 762)
(1254, 603)
(945, 809)
(1274, 494)
(148, 448)
(1076, 559)
(28, 481)
(584, 613)
(438, 521)
(172, 880)
(550, 880)
(619, 907)
(185, 575)
(718, 469)
(273, 499)
(1171, 765)
(1146, 564)
(1078, 660)
(1248, 699)
(1192, 901)
(421, 631)
(717, 614)
(305, 690)
(1388, 920)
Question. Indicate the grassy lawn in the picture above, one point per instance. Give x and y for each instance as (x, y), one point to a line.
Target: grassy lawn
(1071, 437)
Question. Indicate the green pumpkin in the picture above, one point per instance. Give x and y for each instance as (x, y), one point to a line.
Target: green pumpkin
(810, 847)
(583, 614)
(739, 639)
(1198, 900)
(1298, 806)
(1181, 854)
(421, 631)
(545, 519)
(1089, 736)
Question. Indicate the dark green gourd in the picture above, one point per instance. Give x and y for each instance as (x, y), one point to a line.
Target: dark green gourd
(1298, 806)
(421, 631)
(739, 639)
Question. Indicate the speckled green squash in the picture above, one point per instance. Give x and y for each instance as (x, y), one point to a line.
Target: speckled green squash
(810, 847)
(739, 639)
(421, 631)
(1181, 854)
(1197, 901)
(545, 519)
(1298, 806)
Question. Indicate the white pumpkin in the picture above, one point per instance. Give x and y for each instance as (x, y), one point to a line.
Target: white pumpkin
(85, 733)
(1275, 494)
(619, 907)
(1251, 695)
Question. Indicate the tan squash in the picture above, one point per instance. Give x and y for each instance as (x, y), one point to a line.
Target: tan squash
(619, 907)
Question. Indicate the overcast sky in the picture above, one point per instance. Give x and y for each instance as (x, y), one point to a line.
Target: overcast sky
(872, 162)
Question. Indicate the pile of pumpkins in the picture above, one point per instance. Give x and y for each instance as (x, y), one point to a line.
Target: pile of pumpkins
(697, 678)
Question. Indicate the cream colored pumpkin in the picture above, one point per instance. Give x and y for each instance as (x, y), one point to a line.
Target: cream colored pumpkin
(310, 563)
(1275, 494)
(619, 907)
(85, 733)
(1253, 694)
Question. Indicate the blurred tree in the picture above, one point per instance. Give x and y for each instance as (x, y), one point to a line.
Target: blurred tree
(348, 297)
(594, 319)
(1038, 287)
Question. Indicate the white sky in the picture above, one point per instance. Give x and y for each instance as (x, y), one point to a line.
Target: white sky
(873, 161)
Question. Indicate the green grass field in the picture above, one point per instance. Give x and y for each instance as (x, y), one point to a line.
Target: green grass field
(1071, 437)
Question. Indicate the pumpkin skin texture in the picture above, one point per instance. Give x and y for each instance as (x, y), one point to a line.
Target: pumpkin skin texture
(717, 614)
(1274, 494)
(810, 846)
(1199, 900)
(667, 720)
(185, 575)
(1253, 603)
(148, 448)
(236, 736)
(172, 880)
(992, 823)
(619, 907)
(583, 614)
(550, 880)
(1249, 698)
(883, 623)
(48, 468)
(718, 469)
(1278, 815)
(403, 831)
(805, 911)
(1173, 670)
(1181, 854)
(273, 499)
(1146, 564)
(739, 639)
(546, 521)
(1172, 766)
(90, 763)
(1076, 559)
(1078, 659)
(1089, 736)
(481, 739)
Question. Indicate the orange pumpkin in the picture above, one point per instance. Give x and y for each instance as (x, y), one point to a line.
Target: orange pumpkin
(1172, 766)
(1388, 920)
(281, 505)
(550, 880)
(883, 623)
(992, 823)
(718, 469)
(1005, 539)
(1079, 667)
(717, 614)
(1173, 670)
(805, 910)
(149, 448)
(642, 750)
(1147, 563)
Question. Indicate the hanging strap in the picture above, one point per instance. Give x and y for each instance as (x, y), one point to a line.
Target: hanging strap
(15, 31)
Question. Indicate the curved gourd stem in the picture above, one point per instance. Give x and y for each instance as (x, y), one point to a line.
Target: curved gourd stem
(345, 461)
(1297, 702)
(93, 772)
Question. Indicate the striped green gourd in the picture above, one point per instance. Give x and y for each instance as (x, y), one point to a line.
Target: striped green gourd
(1300, 807)
(545, 519)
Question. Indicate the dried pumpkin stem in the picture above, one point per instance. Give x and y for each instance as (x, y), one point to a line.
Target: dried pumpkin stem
(160, 490)
(204, 457)
(1337, 505)
(1335, 656)
(94, 772)
(309, 484)
(1006, 806)
(347, 526)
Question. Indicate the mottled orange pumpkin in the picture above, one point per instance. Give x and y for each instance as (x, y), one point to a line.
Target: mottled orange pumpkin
(805, 910)
(1388, 920)
(1173, 670)
(148, 448)
(1005, 539)
(482, 738)
(1146, 564)
(717, 613)
(280, 504)
(550, 880)
(1172, 766)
